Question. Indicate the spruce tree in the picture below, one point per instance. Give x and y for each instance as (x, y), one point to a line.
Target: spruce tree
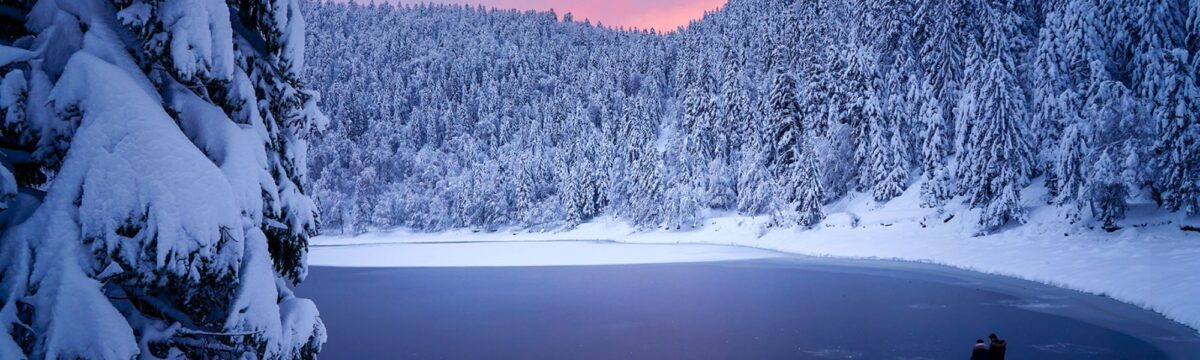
(786, 128)
(1177, 147)
(1068, 45)
(809, 194)
(172, 215)
(943, 50)
(934, 151)
(1155, 26)
(888, 164)
(999, 157)
(862, 111)
(1106, 193)
(1070, 170)
(735, 112)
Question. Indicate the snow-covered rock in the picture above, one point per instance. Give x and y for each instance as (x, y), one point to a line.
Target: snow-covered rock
(845, 220)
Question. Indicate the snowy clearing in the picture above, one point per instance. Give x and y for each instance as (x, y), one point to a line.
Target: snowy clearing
(1151, 264)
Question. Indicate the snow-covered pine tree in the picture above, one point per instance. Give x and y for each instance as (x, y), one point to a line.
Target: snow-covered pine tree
(966, 109)
(942, 51)
(809, 194)
(708, 142)
(900, 65)
(1155, 26)
(271, 47)
(682, 203)
(897, 125)
(785, 124)
(934, 151)
(683, 167)
(736, 107)
(1193, 26)
(174, 215)
(757, 193)
(1004, 29)
(785, 38)
(699, 113)
(646, 190)
(862, 111)
(1106, 192)
(835, 152)
(998, 154)
(1070, 168)
(582, 189)
(1177, 147)
(815, 79)
(888, 160)
(1120, 129)
(1068, 44)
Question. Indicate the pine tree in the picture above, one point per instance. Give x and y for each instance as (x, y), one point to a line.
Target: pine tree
(942, 51)
(889, 167)
(1120, 128)
(836, 153)
(1004, 26)
(1177, 148)
(1193, 27)
(697, 126)
(1106, 193)
(815, 80)
(967, 109)
(862, 111)
(1069, 169)
(999, 159)
(1068, 45)
(1156, 26)
(934, 151)
(785, 127)
(757, 194)
(172, 153)
(736, 113)
(809, 194)
(649, 186)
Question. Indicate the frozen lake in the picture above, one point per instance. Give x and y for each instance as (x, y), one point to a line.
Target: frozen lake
(767, 308)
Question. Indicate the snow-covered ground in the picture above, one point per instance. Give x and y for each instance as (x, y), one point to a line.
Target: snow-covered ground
(1151, 263)
(525, 253)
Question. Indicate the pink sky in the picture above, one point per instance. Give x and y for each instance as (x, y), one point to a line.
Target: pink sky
(664, 15)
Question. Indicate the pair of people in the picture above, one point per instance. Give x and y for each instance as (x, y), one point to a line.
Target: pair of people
(993, 351)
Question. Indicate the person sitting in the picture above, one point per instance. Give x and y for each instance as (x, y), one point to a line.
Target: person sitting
(997, 348)
(980, 352)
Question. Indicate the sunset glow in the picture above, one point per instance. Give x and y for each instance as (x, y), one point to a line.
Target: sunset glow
(662, 15)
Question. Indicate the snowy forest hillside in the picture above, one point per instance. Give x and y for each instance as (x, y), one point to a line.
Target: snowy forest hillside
(152, 201)
(461, 117)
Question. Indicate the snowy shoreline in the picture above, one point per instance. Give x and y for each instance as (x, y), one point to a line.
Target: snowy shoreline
(523, 253)
(1152, 265)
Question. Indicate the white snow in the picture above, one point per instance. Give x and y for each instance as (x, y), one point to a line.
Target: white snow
(523, 253)
(134, 161)
(1155, 266)
(199, 32)
(9, 55)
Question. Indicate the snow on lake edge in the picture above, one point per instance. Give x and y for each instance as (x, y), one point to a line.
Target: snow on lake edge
(1151, 263)
(523, 253)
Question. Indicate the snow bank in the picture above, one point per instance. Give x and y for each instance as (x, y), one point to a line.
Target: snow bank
(524, 253)
(1151, 264)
